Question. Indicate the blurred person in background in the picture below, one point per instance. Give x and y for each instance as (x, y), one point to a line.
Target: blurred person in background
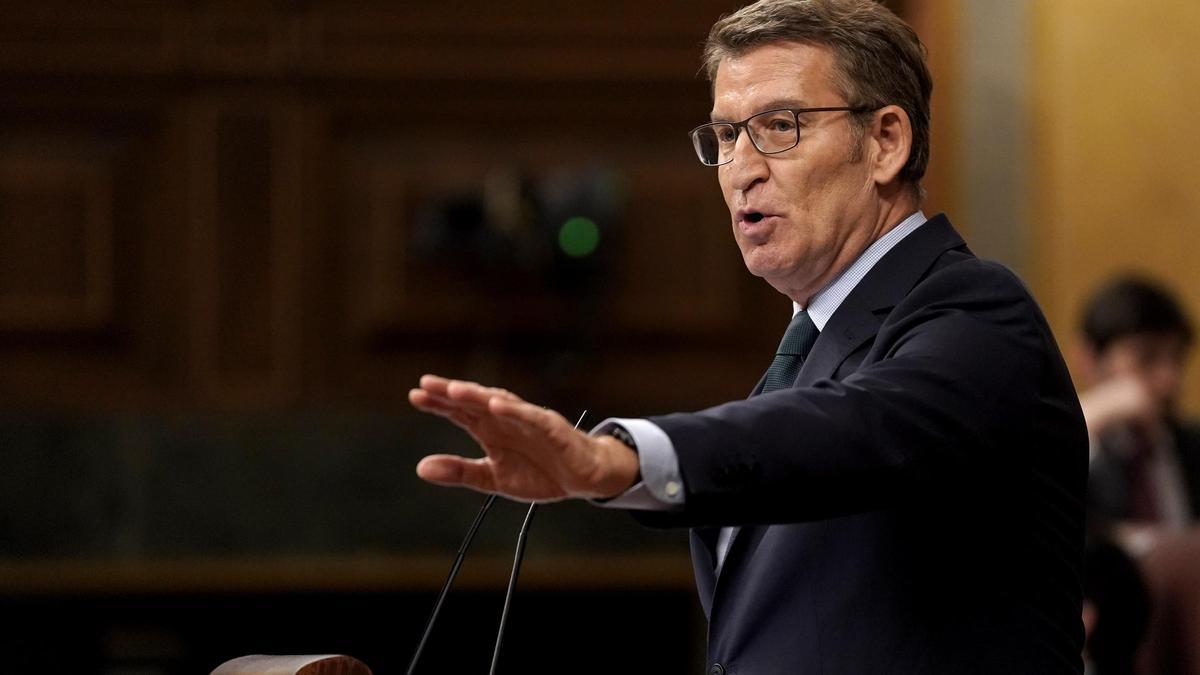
(1145, 458)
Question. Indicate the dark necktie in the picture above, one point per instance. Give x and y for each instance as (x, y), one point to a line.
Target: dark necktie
(797, 342)
(793, 348)
(1143, 492)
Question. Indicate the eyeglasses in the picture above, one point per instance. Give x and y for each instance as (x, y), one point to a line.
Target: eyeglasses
(771, 132)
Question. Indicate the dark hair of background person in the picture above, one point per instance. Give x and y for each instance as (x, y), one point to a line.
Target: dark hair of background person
(1113, 584)
(879, 60)
(1132, 305)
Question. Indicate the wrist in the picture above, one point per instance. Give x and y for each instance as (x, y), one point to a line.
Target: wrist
(622, 468)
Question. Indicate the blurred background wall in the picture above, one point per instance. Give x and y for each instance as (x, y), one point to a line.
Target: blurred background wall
(1115, 185)
(232, 236)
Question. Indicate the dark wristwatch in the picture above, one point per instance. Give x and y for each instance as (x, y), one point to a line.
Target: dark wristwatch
(622, 434)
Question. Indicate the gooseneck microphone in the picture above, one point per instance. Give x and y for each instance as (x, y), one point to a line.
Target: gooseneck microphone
(458, 561)
(512, 581)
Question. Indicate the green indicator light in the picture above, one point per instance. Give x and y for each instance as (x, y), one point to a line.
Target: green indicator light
(578, 237)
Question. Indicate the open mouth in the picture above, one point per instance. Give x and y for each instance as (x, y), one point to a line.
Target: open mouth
(753, 217)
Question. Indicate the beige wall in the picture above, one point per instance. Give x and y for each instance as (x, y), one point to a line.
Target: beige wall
(1115, 95)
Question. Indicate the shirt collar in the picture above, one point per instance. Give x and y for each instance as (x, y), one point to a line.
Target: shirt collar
(828, 299)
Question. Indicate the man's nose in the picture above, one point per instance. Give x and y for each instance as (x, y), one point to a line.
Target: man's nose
(748, 165)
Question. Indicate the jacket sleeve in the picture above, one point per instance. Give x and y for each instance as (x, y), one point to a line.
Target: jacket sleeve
(963, 385)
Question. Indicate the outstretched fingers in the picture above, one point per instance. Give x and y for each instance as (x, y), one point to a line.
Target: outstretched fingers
(439, 395)
(431, 403)
(473, 394)
(524, 443)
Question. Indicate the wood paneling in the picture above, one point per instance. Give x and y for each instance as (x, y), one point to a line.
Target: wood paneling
(671, 214)
(524, 40)
(245, 250)
(82, 180)
(532, 39)
(56, 229)
(377, 573)
(271, 170)
(665, 276)
(65, 37)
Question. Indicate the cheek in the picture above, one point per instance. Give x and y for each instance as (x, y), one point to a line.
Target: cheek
(815, 191)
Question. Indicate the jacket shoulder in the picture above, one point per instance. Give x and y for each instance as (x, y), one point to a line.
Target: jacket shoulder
(984, 289)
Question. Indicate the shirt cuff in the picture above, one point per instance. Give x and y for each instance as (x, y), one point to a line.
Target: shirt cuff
(661, 487)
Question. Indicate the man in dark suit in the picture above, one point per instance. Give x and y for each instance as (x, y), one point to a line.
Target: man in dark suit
(903, 493)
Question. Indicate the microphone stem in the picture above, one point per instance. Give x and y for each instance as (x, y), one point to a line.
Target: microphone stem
(458, 561)
(512, 585)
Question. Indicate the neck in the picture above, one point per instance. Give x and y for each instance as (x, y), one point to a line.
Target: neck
(892, 210)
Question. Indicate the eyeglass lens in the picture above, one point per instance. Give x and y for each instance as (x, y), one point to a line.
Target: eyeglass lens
(771, 131)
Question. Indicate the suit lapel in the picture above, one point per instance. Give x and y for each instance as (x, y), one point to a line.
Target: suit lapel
(704, 562)
(849, 328)
(858, 318)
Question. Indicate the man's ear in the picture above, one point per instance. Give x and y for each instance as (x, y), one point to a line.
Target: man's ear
(891, 138)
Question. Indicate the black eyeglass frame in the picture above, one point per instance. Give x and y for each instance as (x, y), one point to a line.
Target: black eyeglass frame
(738, 127)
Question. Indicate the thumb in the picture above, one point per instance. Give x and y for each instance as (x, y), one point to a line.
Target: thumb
(455, 471)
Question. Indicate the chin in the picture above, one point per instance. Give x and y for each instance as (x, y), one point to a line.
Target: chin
(755, 266)
(762, 261)
(768, 273)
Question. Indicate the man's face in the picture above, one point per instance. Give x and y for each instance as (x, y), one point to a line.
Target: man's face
(1156, 360)
(820, 209)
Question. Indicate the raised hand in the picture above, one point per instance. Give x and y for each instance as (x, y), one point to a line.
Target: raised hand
(1121, 400)
(530, 453)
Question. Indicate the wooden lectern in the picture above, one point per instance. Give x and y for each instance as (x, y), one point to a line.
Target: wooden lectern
(327, 664)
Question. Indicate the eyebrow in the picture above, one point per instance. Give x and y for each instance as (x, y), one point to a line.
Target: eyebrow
(775, 104)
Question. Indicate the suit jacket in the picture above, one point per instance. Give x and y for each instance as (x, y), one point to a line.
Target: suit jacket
(915, 503)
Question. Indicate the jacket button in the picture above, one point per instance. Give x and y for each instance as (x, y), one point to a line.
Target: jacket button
(717, 669)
